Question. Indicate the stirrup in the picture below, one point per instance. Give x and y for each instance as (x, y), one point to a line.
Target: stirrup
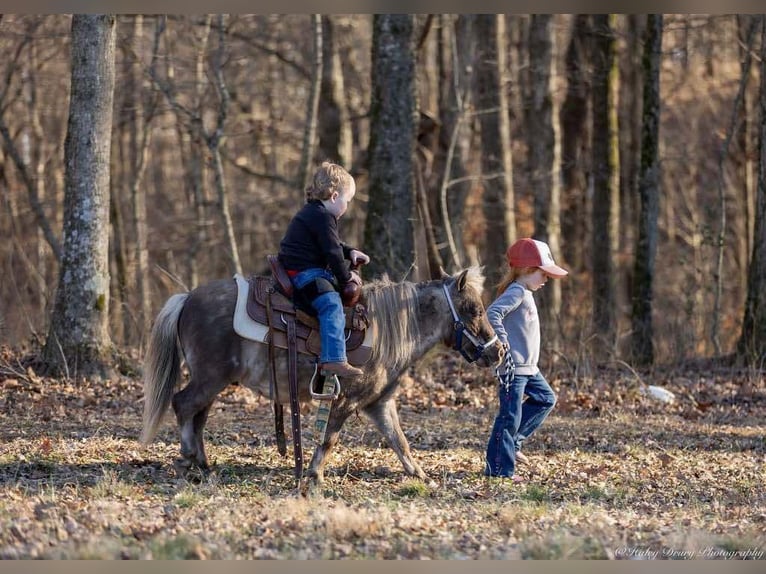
(324, 396)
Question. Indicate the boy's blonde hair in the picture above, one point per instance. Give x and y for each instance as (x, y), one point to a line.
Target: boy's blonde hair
(328, 178)
(511, 275)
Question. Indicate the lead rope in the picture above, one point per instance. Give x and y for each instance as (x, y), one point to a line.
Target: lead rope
(509, 370)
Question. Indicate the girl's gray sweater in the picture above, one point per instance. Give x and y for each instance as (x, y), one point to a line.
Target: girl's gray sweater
(514, 317)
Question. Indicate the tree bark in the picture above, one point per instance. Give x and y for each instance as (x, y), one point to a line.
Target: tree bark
(214, 145)
(497, 167)
(752, 342)
(388, 232)
(140, 141)
(631, 108)
(575, 145)
(746, 152)
(544, 160)
(605, 149)
(312, 108)
(722, 200)
(335, 138)
(649, 195)
(78, 339)
(456, 61)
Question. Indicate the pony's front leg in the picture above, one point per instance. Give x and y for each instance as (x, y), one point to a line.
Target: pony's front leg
(386, 419)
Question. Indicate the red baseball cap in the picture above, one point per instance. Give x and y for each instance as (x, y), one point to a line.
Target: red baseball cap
(532, 253)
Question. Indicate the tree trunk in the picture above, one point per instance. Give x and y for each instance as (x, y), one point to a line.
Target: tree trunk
(140, 140)
(214, 145)
(312, 108)
(605, 149)
(388, 232)
(575, 145)
(649, 194)
(497, 168)
(746, 154)
(544, 160)
(722, 199)
(752, 341)
(631, 107)
(450, 182)
(335, 138)
(78, 339)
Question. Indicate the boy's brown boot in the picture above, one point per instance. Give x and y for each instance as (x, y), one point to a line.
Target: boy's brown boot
(342, 369)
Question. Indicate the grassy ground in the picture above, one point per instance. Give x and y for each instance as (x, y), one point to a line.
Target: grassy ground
(613, 474)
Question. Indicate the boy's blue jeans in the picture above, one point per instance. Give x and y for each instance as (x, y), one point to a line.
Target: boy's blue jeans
(332, 320)
(517, 420)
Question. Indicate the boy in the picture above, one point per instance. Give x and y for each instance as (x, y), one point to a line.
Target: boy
(314, 257)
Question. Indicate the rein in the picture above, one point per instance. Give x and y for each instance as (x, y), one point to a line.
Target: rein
(460, 330)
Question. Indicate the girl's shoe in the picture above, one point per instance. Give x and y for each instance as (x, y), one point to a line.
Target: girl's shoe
(516, 479)
(521, 457)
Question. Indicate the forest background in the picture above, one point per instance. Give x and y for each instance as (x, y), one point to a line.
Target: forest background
(520, 125)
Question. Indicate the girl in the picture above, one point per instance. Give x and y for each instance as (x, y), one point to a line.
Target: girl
(514, 317)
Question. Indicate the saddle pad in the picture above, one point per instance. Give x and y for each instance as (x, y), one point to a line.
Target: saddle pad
(244, 326)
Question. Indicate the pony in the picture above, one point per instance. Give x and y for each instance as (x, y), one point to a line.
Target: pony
(408, 319)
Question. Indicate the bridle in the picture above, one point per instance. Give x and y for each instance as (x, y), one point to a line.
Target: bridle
(461, 330)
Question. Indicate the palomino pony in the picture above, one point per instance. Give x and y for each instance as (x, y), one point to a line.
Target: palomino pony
(408, 319)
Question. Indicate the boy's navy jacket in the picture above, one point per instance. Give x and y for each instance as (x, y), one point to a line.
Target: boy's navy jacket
(312, 241)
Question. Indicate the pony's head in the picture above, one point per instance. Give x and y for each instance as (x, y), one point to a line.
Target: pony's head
(472, 334)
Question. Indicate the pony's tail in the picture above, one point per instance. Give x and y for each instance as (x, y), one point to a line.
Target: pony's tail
(163, 365)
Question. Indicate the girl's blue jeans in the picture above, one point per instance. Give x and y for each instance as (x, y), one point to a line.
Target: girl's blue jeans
(332, 320)
(516, 420)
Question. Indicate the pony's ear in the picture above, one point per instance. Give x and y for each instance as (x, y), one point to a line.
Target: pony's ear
(444, 274)
(461, 280)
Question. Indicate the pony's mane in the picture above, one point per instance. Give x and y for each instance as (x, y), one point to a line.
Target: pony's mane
(392, 308)
(474, 278)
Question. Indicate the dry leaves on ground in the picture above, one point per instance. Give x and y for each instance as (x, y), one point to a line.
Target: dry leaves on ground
(613, 474)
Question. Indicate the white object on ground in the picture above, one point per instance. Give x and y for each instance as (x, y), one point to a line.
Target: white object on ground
(658, 393)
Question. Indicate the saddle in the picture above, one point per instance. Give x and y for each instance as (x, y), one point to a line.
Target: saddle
(263, 296)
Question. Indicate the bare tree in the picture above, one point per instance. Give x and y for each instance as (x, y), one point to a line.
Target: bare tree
(605, 165)
(497, 167)
(631, 90)
(456, 53)
(722, 200)
(388, 237)
(752, 341)
(28, 173)
(312, 109)
(78, 339)
(335, 138)
(649, 193)
(544, 158)
(211, 137)
(747, 153)
(575, 145)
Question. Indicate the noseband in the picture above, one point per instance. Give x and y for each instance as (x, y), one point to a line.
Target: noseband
(460, 330)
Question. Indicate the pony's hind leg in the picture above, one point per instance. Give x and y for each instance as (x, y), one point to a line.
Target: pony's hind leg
(386, 419)
(192, 406)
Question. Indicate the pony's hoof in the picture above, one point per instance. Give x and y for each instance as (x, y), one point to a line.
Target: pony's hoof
(191, 471)
(309, 487)
(182, 467)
